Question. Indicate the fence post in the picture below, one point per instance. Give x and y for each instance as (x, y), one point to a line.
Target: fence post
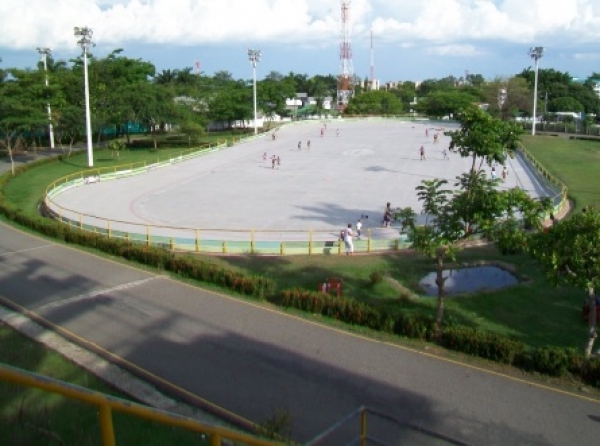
(171, 244)
(147, 235)
(80, 222)
(252, 241)
(282, 248)
(197, 240)
(224, 247)
(363, 427)
(215, 439)
(106, 426)
(310, 242)
(369, 240)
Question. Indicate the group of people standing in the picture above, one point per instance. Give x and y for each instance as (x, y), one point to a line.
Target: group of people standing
(275, 160)
(346, 235)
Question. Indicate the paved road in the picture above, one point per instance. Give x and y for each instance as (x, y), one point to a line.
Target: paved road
(253, 361)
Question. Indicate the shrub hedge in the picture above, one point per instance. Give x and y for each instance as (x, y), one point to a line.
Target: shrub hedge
(553, 361)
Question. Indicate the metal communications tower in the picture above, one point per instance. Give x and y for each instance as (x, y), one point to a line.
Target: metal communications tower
(346, 78)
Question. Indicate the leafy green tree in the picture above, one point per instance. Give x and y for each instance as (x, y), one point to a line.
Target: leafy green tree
(374, 102)
(22, 109)
(165, 77)
(570, 253)
(192, 129)
(565, 104)
(476, 80)
(444, 103)
(430, 85)
(438, 237)
(232, 103)
(519, 97)
(476, 205)
(272, 96)
(69, 121)
(406, 92)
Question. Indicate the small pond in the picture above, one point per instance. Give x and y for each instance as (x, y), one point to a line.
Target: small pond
(470, 279)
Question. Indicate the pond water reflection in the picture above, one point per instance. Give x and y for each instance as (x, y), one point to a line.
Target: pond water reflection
(470, 279)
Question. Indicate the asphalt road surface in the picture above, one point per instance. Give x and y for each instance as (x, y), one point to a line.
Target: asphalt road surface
(254, 361)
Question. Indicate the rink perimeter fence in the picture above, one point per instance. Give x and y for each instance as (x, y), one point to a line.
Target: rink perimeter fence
(230, 241)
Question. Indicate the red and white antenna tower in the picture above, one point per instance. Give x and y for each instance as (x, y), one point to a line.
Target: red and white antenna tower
(197, 65)
(346, 78)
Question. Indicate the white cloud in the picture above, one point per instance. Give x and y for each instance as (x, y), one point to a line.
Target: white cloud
(27, 24)
(458, 50)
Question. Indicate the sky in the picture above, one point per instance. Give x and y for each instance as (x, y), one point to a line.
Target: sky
(412, 39)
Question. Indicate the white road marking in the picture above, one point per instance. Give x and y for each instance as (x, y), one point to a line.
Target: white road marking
(96, 293)
(4, 254)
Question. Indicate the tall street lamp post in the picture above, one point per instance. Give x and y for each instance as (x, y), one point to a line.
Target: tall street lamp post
(536, 53)
(44, 53)
(85, 41)
(254, 57)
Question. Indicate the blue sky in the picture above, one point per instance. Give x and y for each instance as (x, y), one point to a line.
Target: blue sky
(413, 39)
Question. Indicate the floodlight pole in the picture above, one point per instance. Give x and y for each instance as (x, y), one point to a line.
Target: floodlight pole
(85, 40)
(254, 57)
(44, 53)
(535, 52)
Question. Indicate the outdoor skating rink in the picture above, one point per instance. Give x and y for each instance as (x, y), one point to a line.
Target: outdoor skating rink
(354, 169)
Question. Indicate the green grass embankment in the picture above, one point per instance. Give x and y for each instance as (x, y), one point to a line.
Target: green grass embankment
(575, 162)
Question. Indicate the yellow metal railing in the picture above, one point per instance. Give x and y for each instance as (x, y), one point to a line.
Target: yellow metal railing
(548, 176)
(106, 404)
(222, 241)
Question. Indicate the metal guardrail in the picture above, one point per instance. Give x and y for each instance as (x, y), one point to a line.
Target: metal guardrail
(541, 170)
(390, 431)
(107, 404)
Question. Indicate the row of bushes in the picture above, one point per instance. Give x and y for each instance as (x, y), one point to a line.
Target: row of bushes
(184, 266)
(553, 361)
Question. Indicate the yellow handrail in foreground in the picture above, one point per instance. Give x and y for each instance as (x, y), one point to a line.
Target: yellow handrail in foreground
(106, 404)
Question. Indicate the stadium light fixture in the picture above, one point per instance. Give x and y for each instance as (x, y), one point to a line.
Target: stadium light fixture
(254, 57)
(44, 53)
(536, 53)
(85, 41)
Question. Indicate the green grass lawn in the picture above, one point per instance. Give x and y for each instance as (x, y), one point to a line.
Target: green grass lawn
(532, 311)
(574, 162)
